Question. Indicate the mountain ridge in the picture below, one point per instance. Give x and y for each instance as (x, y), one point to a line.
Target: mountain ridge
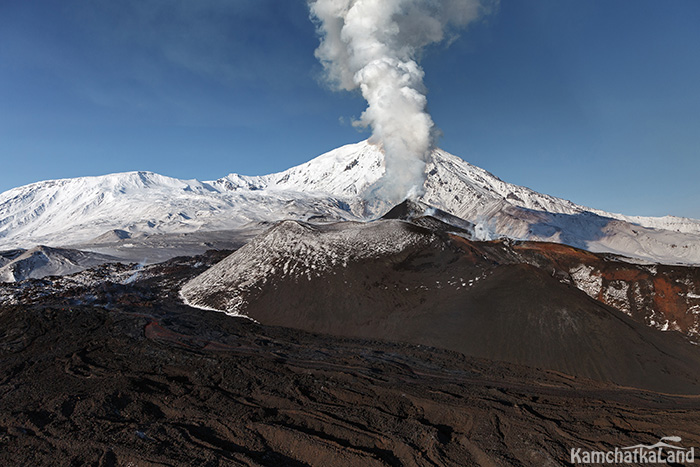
(331, 187)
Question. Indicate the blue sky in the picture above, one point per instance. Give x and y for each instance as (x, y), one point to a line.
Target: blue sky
(595, 101)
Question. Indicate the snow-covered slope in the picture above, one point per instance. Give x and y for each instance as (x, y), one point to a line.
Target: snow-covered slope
(496, 207)
(503, 209)
(333, 186)
(70, 211)
(43, 261)
(347, 173)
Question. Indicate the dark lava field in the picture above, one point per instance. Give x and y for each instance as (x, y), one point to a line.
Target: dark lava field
(101, 373)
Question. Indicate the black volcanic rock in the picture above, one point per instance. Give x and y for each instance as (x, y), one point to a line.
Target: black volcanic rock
(434, 289)
(103, 373)
(406, 210)
(429, 217)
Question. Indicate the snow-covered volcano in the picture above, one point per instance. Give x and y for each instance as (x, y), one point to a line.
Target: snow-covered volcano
(333, 186)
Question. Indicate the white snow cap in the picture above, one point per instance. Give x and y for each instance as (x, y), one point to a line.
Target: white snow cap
(375, 45)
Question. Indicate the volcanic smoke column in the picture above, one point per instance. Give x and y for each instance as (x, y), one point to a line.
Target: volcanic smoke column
(375, 45)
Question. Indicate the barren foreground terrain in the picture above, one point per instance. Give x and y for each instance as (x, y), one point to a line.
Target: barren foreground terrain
(119, 374)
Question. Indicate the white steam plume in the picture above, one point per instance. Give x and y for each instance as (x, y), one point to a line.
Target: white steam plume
(375, 45)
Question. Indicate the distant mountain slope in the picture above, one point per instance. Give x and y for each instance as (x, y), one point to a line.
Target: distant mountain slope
(333, 186)
(452, 184)
(44, 261)
(63, 212)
